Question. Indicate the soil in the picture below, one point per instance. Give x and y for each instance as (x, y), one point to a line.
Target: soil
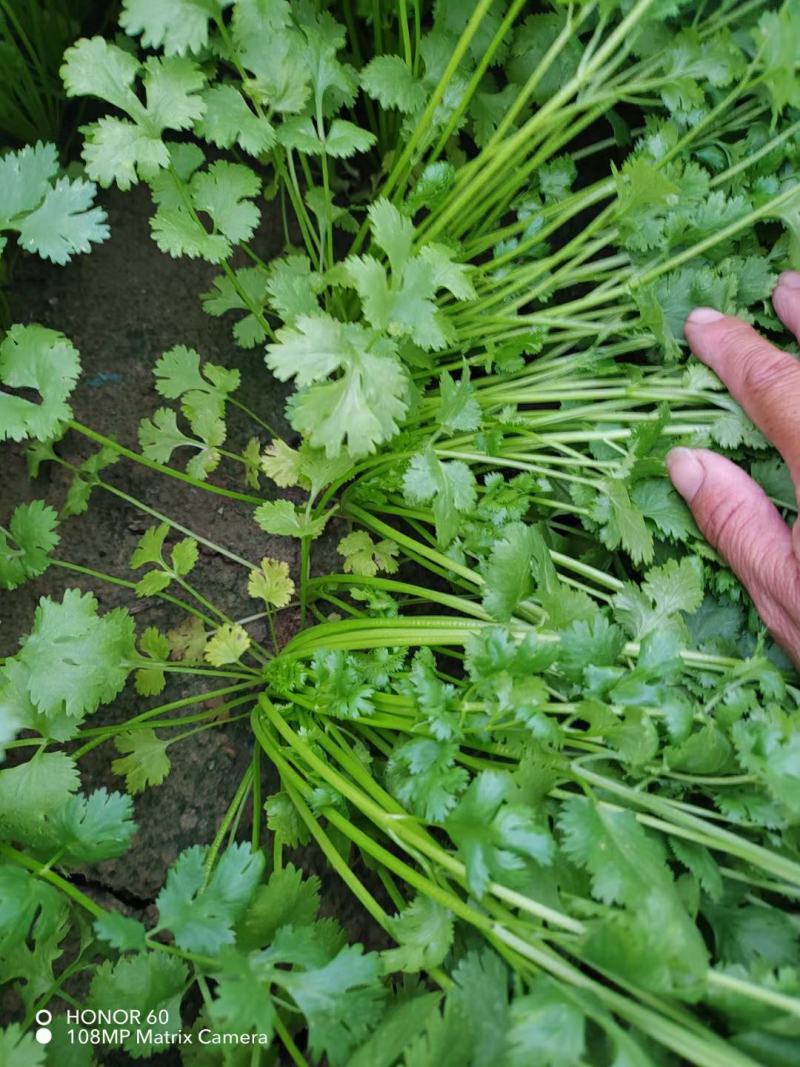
(122, 306)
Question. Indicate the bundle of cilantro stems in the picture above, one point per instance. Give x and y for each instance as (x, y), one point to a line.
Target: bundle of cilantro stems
(533, 725)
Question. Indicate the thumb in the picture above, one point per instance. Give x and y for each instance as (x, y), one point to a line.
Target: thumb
(738, 519)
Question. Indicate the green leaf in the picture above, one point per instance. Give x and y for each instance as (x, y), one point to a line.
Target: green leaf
(225, 192)
(153, 583)
(622, 523)
(459, 408)
(228, 120)
(449, 485)
(178, 26)
(344, 139)
(153, 981)
(495, 838)
(29, 907)
(364, 556)
(34, 357)
(393, 1037)
(282, 518)
(388, 80)
(77, 659)
(246, 291)
(676, 586)
(424, 776)
(518, 557)
(179, 377)
(282, 464)
(341, 1000)
(424, 933)
(94, 828)
(625, 863)
(402, 301)
(358, 410)
(596, 643)
(658, 501)
(293, 288)
(20, 1049)
(184, 556)
(32, 794)
(33, 536)
(547, 1027)
(95, 67)
(287, 899)
(144, 762)
(125, 150)
(123, 933)
(242, 1001)
(200, 915)
(65, 222)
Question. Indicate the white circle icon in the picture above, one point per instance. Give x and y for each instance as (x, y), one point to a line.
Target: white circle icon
(43, 1035)
(44, 1017)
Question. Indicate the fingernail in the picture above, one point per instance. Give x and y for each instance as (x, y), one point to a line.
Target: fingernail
(790, 279)
(686, 472)
(704, 316)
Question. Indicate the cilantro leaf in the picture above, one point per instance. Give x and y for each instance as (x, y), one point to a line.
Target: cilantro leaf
(228, 120)
(287, 899)
(179, 26)
(424, 932)
(34, 357)
(54, 218)
(25, 549)
(361, 407)
(202, 914)
(450, 485)
(495, 839)
(364, 556)
(282, 518)
(77, 659)
(125, 150)
(625, 863)
(516, 557)
(227, 645)
(402, 301)
(96, 827)
(122, 932)
(153, 981)
(271, 583)
(342, 1001)
(144, 761)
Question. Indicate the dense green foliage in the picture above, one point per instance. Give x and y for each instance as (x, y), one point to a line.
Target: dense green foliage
(533, 701)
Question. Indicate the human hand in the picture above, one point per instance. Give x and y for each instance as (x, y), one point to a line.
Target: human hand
(732, 511)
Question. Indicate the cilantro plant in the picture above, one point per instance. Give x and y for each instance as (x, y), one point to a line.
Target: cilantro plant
(533, 723)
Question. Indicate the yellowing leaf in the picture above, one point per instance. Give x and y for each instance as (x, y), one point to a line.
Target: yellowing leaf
(271, 583)
(228, 644)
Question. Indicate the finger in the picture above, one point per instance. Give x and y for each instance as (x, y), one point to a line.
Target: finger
(786, 301)
(764, 380)
(737, 518)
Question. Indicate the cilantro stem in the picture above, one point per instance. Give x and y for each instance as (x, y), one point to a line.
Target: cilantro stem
(296, 1055)
(732, 984)
(230, 814)
(180, 476)
(123, 583)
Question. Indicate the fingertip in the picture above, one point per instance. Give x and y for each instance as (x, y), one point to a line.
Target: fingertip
(786, 300)
(686, 472)
(703, 316)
